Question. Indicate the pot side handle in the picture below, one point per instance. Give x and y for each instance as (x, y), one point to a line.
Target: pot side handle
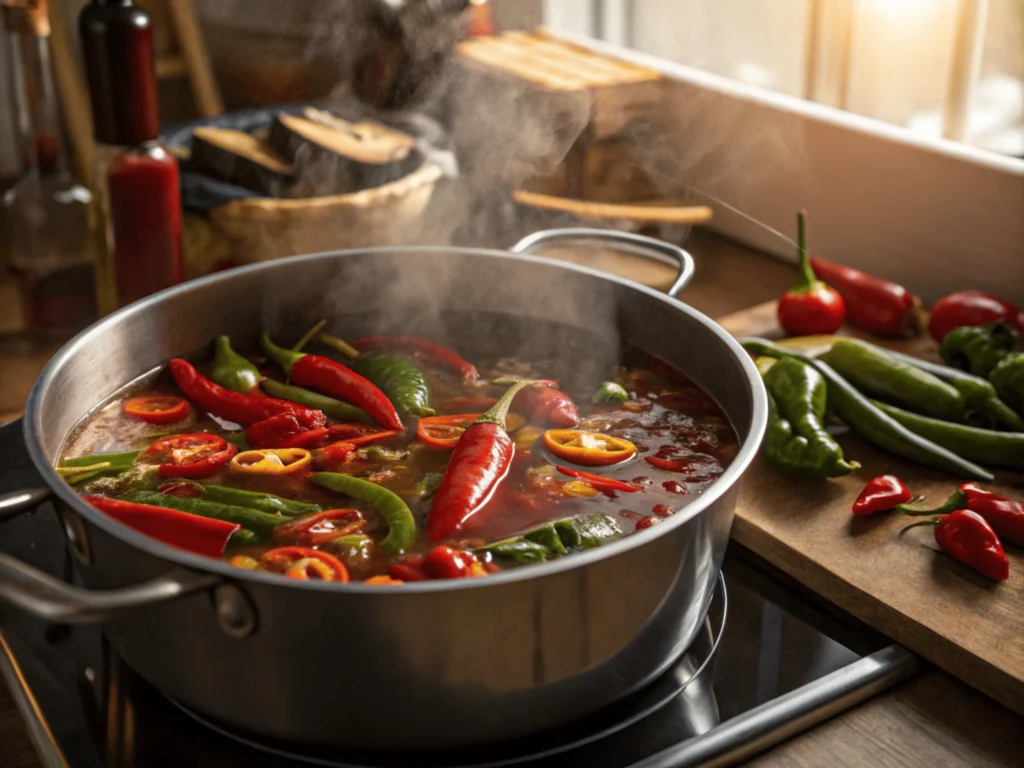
(648, 247)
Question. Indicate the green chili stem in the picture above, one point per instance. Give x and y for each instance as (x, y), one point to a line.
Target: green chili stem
(338, 345)
(807, 277)
(499, 411)
(957, 501)
(308, 335)
(285, 358)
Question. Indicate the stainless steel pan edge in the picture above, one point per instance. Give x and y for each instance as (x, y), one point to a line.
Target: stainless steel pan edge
(33, 426)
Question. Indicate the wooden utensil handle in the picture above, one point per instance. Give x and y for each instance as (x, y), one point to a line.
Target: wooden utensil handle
(660, 214)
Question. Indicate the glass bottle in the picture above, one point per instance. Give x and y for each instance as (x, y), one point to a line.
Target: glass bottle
(137, 181)
(44, 216)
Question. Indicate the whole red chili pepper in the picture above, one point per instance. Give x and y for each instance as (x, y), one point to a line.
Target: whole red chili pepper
(965, 536)
(202, 535)
(971, 308)
(479, 462)
(439, 354)
(279, 431)
(547, 405)
(334, 379)
(874, 304)
(810, 307)
(236, 407)
(1005, 515)
(881, 494)
(605, 485)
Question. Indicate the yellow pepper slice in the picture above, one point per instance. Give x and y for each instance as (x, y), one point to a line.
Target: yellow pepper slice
(591, 449)
(577, 488)
(270, 461)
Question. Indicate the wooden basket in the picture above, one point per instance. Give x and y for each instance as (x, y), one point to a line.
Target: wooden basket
(259, 229)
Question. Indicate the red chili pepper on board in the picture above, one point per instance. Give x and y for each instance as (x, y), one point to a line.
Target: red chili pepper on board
(479, 462)
(605, 485)
(1005, 515)
(435, 352)
(873, 304)
(971, 308)
(881, 494)
(236, 407)
(965, 536)
(810, 307)
(547, 405)
(202, 535)
(334, 379)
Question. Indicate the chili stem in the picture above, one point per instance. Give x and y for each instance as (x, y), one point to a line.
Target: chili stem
(309, 335)
(499, 411)
(807, 277)
(338, 345)
(932, 521)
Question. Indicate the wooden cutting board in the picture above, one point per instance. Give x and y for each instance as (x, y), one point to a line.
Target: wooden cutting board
(901, 585)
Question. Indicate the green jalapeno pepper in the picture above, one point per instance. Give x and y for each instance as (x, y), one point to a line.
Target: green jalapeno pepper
(868, 421)
(264, 502)
(335, 409)
(258, 522)
(396, 513)
(984, 408)
(878, 374)
(980, 348)
(1008, 380)
(231, 370)
(797, 442)
(999, 449)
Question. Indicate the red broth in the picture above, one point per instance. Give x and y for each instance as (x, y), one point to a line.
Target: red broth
(668, 419)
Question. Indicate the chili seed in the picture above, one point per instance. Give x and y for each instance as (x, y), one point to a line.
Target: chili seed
(663, 511)
(645, 522)
(673, 486)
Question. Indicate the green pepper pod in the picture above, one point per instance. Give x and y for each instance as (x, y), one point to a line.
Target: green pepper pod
(396, 513)
(231, 370)
(871, 423)
(84, 468)
(258, 522)
(999, 449)
(1008, 380)
(555, 539)
(403, 383)
(610, 392)
(980, 348)
(264, 502)
(335, 409)
(983, 405)
(878, 374)
(797, 442)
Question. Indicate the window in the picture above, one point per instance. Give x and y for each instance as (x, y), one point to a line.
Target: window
(952, 68)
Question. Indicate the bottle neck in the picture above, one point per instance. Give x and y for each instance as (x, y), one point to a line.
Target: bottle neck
(33, 95)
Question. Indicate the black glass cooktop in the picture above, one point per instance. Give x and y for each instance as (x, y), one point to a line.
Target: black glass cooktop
(772, 660)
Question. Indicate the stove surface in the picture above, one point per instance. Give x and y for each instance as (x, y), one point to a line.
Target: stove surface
(772, 663)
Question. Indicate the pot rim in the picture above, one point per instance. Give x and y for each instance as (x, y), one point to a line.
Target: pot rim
(744, 456)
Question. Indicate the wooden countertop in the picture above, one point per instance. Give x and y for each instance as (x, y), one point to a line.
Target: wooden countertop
(933, 719)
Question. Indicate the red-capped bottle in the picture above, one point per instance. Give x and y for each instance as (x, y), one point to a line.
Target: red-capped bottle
(137, 178)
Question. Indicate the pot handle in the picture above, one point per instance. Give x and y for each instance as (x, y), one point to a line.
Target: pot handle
(42, 595)
(640, 245)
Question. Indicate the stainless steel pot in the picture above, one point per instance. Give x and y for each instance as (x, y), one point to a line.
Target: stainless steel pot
(433, 664)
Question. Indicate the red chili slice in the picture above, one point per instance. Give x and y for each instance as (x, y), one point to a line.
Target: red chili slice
(283, 558)
(605, 485)
(195, 456)
(319, 527)
(157, 409)
(185, 489)
(444, 431)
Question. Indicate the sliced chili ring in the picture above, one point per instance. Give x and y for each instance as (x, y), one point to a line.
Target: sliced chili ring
(195, 455)
(590, 449)
(319, 527)
(444, 431)
(271, 461)
(283, 559)
(157, 409)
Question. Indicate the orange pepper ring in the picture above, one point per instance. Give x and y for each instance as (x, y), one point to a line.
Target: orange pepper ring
(587, 448)
(271, 461)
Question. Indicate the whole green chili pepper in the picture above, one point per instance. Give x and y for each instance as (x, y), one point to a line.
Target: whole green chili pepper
(556, 539)
(231, 370)
(427, 485)
(401, 381)
(984, 408)
(522, 551)
(335, 409)
(264, 502)
(1008, 380)
(243, 537)
(84, 468)
(610, 392)
(870, 422)
(878, 374)
(797, 442)
(396, 513)
(1000, 449)
(980, 348)
(258, 522)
